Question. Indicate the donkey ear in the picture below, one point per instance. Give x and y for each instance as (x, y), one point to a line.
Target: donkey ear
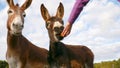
(60, 11)
(26, 4)
(44, 12)
(10, 3)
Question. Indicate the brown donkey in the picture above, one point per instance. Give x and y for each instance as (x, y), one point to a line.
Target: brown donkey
(60, 54)
(21, 53)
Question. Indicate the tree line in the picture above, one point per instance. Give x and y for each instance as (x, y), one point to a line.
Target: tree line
(108, 64)
(3, 64)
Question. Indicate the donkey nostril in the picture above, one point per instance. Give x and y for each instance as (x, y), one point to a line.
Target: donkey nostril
(18, 25)
(62, 27)
(13, 24)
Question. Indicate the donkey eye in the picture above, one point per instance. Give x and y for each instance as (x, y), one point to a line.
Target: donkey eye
(48, 25)
(24, 15)
(10, 11)
(48, 22)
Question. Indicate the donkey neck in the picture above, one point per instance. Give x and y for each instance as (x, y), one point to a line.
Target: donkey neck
(53, 45)
(13, 40)
(55, 49)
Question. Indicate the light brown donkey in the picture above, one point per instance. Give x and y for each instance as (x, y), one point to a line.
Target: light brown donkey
(60, 54)
(21, 53)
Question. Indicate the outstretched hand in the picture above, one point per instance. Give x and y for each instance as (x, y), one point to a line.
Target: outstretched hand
(67, 30)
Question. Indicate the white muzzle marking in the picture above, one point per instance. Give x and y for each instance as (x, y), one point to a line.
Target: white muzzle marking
(17, 25)
(56, 24)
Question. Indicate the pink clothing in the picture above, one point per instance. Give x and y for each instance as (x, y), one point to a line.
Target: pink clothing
(78, 7)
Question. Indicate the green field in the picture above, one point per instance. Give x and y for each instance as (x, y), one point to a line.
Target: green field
(108, 64)
(104, 64)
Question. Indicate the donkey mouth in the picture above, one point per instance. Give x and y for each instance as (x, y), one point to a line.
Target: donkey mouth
(16, 33)
(59, 37)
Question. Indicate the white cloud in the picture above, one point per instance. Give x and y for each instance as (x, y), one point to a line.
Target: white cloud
(3, 32)
(107, 52)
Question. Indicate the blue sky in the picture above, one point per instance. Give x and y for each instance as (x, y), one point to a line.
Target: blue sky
(97, 27)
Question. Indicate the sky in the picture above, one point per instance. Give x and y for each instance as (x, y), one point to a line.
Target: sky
(97, 27)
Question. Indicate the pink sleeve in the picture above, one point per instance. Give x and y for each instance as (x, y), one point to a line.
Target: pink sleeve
(77, 8)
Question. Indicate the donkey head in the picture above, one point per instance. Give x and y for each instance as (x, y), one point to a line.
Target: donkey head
(16, 14)
(54, 24)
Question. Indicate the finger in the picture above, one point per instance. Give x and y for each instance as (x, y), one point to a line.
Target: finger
(67, 33)
(64, 32)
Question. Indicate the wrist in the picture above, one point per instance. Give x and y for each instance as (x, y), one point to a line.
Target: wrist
(70, 24)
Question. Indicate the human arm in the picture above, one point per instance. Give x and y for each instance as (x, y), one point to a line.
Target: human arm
(77, 8)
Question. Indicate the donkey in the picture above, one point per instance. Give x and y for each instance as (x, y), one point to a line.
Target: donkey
(61, 55)
(21, 53)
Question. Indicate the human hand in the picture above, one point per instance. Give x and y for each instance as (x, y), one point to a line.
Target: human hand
(66, 30)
